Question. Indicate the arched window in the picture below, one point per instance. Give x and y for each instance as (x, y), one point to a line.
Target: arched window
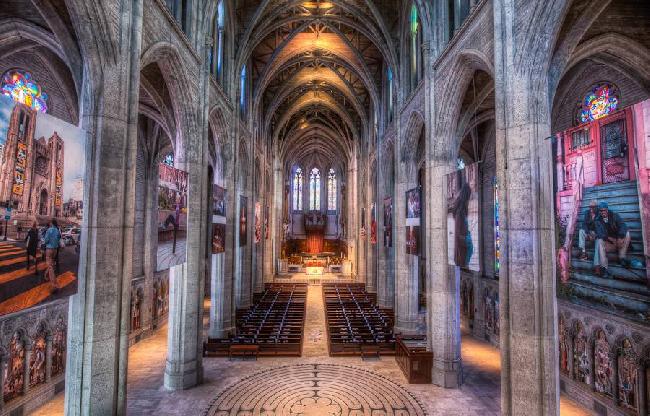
(243, 91)
(389, 94)
(314, 189)
(602, 100)
(169, 160)
(216, 52)
(331, 191)
(297, 190)
(415, 31)
(458, 12)
(497, 230)
(23, 89)
(178, 9)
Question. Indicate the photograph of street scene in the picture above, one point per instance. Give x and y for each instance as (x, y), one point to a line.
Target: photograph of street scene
(41, 206)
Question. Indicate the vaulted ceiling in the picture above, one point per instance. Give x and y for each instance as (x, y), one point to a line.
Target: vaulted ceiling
(317, 69)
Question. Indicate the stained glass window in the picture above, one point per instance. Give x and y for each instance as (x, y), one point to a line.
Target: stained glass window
(416, 47)
(331, 191)
(169, 160)
(497, 231)
(22, 88)
(314, 189)
(243, 91)
(216, 52)
(389, 78)
(297, 190)
(600, 101)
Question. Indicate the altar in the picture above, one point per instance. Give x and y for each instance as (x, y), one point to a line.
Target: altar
(314, 270)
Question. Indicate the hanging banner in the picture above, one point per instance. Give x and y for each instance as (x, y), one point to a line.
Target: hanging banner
(258, 222)
(42, 168)
(388, 222)
(463, 218)
(218, 238)
(373, 224)
(218, 201)
(243, 220)
(413, 207)
(172, 216)
(602, 205)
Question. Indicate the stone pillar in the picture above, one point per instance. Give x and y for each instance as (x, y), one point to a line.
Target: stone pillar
(406, 265)
(48, 358)
(641, 392)
(184, 365)
(219, 299)
(614, 357)
(527, 284)
(229, 270)
(443, 301)
(3, 363)
(98, 318)
(363, 207)
(28, 358)
(383, 253)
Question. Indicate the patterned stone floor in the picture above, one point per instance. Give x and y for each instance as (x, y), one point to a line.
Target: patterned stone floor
(228, 383)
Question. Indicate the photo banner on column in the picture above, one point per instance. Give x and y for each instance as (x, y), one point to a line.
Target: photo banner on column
(172, 216)
(413, 239)
(258, 222)
(388, 222)
(42, 168)
(463, 218)
(373, 224)
(218, 201)
(243, 220)
(267, 230)
(218, 219)
(413, 207)
(602, 205)
(362, 230)
(218, 238)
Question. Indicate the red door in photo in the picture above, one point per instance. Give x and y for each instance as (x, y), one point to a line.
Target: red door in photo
(614, 151)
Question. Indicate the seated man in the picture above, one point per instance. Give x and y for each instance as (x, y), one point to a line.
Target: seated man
(611, 234)
(588, 230)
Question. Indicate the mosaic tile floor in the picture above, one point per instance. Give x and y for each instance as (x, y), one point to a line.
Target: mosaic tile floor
(227, 380)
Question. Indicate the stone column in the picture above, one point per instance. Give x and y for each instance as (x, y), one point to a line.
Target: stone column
(98, 319)
(363, 207)
(527, 284)
(406, 265)
(48, 358)
(28, 358)
(184, 365)
(219, 299)
(3, 363)
(443, 301)
(352, 213)
(614, 357)
(229, 270)
(383, 253)
(641, 392)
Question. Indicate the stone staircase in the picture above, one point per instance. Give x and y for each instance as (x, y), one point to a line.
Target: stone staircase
(626, 289)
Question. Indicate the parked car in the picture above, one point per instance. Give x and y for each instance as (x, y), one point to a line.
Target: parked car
(71, 236)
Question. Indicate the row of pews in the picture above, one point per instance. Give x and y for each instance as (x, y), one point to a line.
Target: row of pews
(355, 324)
(273, 325)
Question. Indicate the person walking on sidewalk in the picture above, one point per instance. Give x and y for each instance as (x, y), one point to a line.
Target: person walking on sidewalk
(52, 240)
(31, 242)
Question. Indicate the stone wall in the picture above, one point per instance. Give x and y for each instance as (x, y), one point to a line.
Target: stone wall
(32, 357)
(604, 360)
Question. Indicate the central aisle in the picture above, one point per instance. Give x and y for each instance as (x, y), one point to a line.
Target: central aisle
(314, 342)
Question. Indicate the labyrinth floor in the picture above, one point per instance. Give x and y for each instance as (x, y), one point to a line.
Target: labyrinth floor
(312, 385)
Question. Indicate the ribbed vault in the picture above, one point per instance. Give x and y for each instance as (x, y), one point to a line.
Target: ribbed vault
(317, 69)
